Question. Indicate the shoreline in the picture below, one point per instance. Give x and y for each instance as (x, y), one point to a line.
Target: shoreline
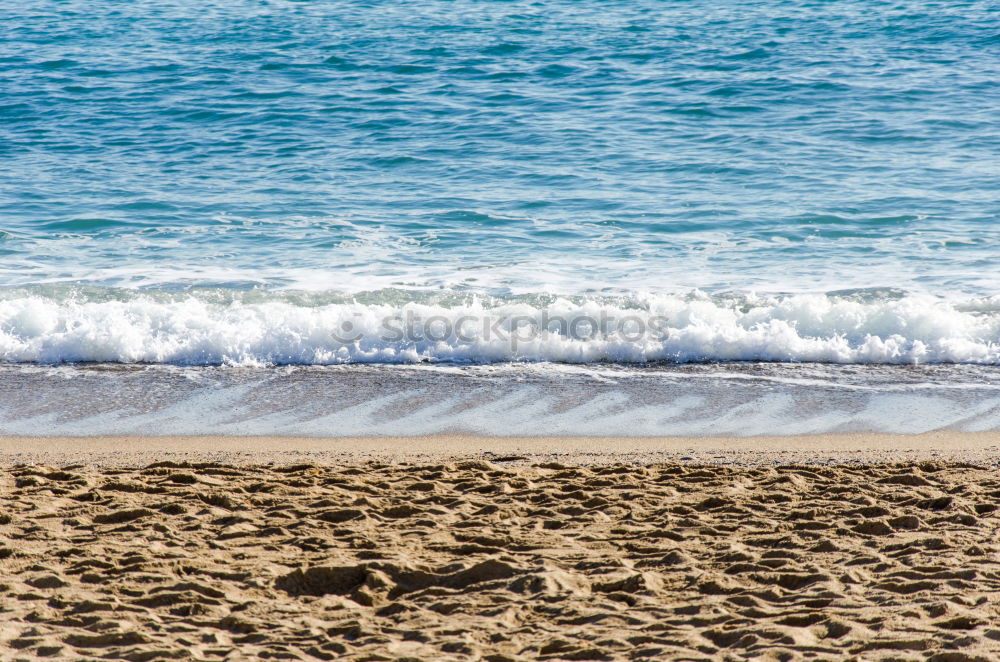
(981, 448)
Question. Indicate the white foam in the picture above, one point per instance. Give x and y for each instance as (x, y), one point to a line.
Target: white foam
(197, 329)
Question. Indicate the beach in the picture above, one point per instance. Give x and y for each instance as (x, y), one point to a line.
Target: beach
(455, 548)
(499, 331)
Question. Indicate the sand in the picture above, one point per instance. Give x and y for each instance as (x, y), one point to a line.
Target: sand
(980, 448)
(423, 555)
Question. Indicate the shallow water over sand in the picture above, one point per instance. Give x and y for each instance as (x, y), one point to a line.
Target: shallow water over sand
(506, 400)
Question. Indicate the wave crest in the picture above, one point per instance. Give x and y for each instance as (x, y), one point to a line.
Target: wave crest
(283, 329)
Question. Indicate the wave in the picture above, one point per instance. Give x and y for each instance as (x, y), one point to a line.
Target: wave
(257, 328)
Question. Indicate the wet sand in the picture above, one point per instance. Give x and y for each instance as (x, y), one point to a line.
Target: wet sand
(980, 448)
(545, 549)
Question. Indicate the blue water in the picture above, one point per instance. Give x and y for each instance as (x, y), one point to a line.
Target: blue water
(223, 182)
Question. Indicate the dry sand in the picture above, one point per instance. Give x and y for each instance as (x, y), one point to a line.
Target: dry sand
(423, 556)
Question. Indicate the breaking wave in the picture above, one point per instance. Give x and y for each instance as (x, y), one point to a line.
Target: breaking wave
(215, 327)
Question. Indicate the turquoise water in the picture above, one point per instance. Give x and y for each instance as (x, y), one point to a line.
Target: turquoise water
(233, 182)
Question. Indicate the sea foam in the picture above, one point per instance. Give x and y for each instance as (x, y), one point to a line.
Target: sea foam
(284, 329)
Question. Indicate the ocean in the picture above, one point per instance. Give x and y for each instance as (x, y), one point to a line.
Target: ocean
(350, 218)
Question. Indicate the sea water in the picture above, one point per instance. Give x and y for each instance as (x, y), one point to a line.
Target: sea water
(479, 209)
